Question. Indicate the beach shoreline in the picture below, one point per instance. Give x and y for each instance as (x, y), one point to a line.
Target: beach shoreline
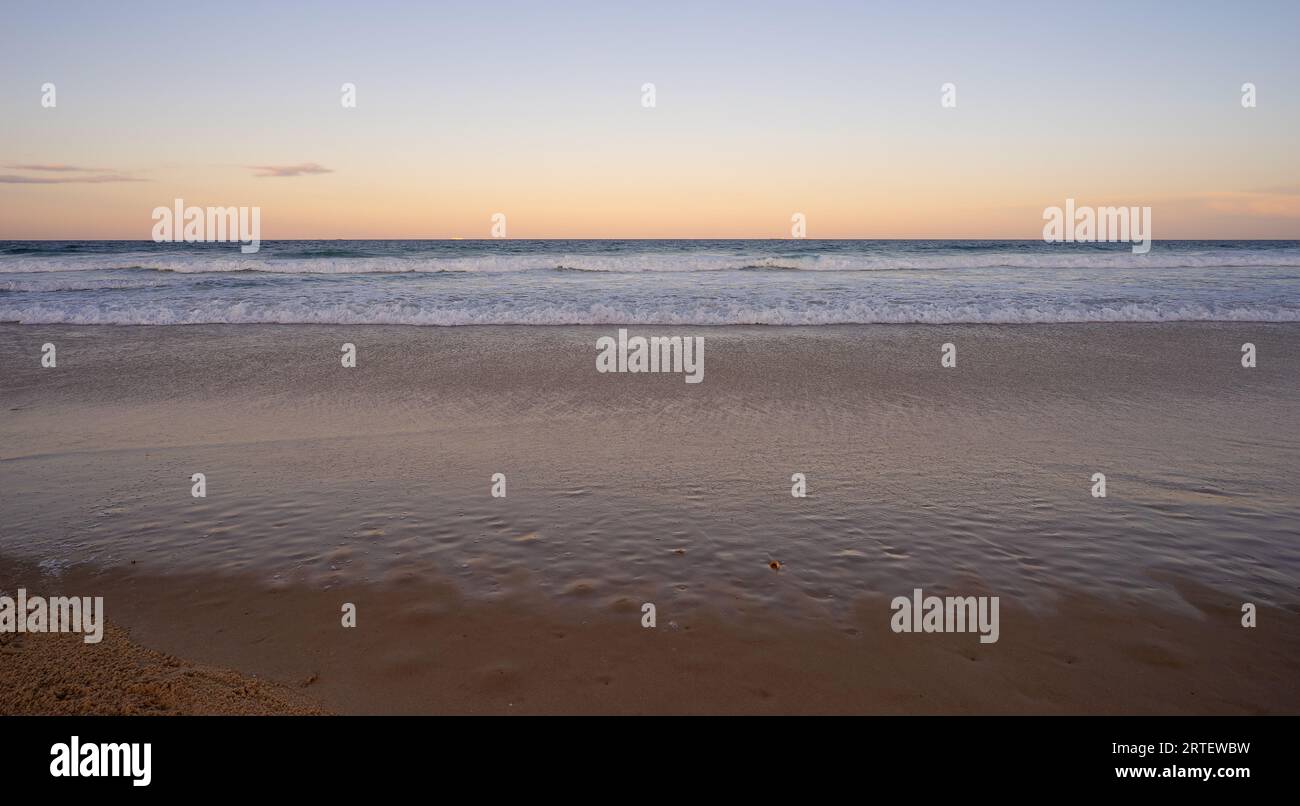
(418, 650)
(371, 485)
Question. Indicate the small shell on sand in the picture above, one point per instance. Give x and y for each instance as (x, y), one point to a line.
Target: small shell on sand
(775, 565)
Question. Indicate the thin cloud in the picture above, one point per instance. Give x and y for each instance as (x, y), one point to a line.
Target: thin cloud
(1282, 190)
(1280, 202)
(97, 179)
(57, 168)
(301, 169)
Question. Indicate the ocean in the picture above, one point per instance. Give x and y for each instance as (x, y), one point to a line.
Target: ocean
(646, 282)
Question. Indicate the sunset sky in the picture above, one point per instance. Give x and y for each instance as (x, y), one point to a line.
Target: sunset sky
(763, 110)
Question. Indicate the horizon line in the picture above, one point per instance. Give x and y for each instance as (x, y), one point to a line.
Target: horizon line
(489, 239)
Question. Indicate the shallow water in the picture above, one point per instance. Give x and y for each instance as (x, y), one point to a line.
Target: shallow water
(646, 487)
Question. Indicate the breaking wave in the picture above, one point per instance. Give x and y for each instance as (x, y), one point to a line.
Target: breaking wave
(850, 312)
(652, 262)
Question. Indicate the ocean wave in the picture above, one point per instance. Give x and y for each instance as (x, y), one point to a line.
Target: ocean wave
(852, 312)
(653, 262)
(39, 283)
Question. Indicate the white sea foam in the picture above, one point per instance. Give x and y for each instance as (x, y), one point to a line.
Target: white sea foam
(852, 312)
(649, 262)
(651, 283)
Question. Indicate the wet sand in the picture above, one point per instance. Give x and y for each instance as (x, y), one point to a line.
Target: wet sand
(371, 485)
(420, 649)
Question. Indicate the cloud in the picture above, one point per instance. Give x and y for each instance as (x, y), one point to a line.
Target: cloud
(94, 179)
(1280, 202)
(56, 167)
(301, 169)
(1281, 190)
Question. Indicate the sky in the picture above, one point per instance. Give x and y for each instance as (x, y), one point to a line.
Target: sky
(762, 110)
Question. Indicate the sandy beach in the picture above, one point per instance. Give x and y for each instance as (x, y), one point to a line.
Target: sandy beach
(371, 485)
